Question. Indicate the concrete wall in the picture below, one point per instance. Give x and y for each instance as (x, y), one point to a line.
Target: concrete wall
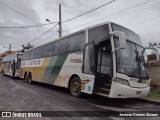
(154, 71)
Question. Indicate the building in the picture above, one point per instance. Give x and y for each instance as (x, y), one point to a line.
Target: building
(154, 71)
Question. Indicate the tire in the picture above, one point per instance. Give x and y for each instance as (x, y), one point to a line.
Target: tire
(25, 78)
(75, 87)
(2, 72)
(13, 75)
(30, 78)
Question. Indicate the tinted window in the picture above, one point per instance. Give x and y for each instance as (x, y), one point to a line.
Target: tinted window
(48, 50)
(26, 56)
(39, 52)
(98, 34)
(23, 56)
(60, 47)
(89, 63)
(32, 53)
(29, 55)
(129, 34)
(76, 42)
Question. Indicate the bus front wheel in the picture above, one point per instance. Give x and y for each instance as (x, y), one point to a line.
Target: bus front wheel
(75, 87)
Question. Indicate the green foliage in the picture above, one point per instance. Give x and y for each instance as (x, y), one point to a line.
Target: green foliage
(154, 93)
(152, 57)
(28, 46)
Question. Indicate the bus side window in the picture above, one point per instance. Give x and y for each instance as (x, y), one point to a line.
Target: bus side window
(39, 52)
(48, 50)
(33, 54)
(60, 47)
(76, 43)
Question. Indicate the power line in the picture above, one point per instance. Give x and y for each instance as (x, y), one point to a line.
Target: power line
(16, 11)
(123, 10)
(30, 26)
(140, 9)
(37, 44)
(42, 34)
(22, 30)
(118, 12)
(62, 21)
(88, 11)
(74, 18)
(23, 16)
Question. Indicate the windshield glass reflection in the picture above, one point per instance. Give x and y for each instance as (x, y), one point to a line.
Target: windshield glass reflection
(132, 61)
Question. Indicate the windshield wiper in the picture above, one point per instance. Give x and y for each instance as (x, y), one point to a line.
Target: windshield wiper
(138, 60)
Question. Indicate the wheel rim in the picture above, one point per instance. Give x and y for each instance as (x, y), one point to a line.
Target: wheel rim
(25, 78)
(29, 79)
(76, 87)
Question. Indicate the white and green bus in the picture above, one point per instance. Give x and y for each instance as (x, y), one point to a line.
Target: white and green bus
(10, 65)
(105, 59)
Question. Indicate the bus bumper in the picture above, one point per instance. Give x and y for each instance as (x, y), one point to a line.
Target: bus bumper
(122, 91)
(17, 74)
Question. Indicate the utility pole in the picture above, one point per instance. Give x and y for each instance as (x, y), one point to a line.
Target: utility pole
(10, 48)
(60, 22)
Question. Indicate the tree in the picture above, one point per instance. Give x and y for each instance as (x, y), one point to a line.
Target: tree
(28, 46)
(154, 44)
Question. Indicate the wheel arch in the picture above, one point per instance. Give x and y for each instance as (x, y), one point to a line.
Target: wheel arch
(71, 77)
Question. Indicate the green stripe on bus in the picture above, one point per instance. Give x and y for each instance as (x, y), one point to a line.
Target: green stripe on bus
(53, 69)
(47, 77)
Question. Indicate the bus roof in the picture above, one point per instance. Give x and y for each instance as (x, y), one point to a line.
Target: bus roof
(10, 57)
(66, 36)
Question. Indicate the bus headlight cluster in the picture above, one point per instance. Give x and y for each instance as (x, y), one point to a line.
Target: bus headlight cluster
(148, 83)
(122, 81)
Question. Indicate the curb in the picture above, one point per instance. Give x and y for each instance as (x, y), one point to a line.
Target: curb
(148, 101)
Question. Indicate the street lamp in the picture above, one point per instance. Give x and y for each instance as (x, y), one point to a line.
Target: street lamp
(53, 24)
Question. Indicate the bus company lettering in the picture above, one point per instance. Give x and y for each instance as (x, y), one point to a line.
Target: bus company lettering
(34, 62)
(23, 64)
(134, 79)
(76, 60)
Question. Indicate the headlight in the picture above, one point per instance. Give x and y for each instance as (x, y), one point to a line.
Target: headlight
(149, 83)
(122, 81)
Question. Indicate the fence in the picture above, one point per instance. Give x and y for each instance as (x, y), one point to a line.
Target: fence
(154, 71)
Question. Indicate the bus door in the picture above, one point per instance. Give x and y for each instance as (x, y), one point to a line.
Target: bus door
(103, 74)
(88, 68)
(13, 68)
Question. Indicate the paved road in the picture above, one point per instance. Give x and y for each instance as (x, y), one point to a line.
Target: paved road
(16, 95)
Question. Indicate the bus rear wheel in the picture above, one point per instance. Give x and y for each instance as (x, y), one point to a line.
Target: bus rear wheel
(30, 78)
(13, 75)
(25, 78)
(75, 87)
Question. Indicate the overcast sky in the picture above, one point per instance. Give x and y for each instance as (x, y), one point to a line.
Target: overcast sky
(143, 18)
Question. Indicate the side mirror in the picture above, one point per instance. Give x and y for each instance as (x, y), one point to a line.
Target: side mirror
(153, 54)
(121, 39)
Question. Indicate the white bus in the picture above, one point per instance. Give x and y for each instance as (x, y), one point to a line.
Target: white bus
(105, 59)
(10, 65)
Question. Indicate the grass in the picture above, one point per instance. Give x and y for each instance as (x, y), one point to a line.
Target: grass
(154, 93)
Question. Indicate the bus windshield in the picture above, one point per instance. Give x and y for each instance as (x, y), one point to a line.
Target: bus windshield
(131, 60)
(19, 57)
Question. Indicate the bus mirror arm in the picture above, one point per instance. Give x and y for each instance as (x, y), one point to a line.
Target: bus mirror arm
(156, 52)
(122, 39)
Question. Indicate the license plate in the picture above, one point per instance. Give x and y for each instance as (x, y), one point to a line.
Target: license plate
(138, 92)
